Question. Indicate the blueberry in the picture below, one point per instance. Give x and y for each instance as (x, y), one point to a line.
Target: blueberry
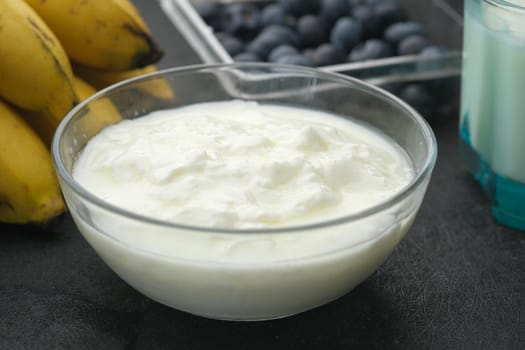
(309, 52)
(241, 20)
(311, 30)
(430, 58)
(247, 57)
(231, 44)
(263, 45)
(210, 11)
(412, 45)
(389, 11)
(346, 34)
(275, 14)
(283, 50)
(396, 32)
(418, 96)
(270, 38)
(297, 59)
(332, 10)
(287, 35)
(370, 21)
(433, 51)
(370, 50)
(327, 54)
(300, 7)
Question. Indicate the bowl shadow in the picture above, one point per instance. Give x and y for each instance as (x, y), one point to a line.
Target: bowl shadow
(361, 319)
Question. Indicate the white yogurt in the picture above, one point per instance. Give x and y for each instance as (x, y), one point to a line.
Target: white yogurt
(244, 165)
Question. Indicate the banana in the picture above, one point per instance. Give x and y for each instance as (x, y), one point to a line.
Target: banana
(29, 190)
(101, 112)
(101, 34)
(104, 113)
(101, 79)
(35, 73)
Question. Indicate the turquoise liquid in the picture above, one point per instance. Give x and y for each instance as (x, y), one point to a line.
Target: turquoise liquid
(492, 124)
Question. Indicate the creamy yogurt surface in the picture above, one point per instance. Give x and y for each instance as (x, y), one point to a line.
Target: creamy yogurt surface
(238, 164)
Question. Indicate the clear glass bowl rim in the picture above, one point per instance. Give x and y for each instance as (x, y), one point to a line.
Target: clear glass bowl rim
(418, 179)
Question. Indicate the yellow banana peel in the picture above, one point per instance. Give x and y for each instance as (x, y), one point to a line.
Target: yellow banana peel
(29, 189)
(35, 73)
(101, 114)
(100, 79)
(101, 34)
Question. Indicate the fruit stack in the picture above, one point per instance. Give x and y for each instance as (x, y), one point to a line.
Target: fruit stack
(54, 54)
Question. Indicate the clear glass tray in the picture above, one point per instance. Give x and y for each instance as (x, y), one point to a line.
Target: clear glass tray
(442, 22)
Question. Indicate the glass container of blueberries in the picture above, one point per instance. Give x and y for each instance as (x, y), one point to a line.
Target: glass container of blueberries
(410, 47)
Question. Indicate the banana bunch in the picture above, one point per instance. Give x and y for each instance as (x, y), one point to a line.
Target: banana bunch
(40, 41)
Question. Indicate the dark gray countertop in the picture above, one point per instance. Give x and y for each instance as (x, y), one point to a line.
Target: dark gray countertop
(457, 281)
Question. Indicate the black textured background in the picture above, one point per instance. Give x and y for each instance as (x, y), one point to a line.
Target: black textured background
(457, 281)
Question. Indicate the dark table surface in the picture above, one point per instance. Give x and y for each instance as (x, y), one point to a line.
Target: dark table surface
(457, 281)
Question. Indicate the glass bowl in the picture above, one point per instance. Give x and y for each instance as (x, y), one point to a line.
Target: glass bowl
(245, 274)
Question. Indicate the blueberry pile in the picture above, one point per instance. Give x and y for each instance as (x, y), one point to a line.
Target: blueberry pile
(315, 32)
(325, 32)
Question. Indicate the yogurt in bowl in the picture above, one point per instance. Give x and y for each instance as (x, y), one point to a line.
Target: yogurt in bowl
(247, 208)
